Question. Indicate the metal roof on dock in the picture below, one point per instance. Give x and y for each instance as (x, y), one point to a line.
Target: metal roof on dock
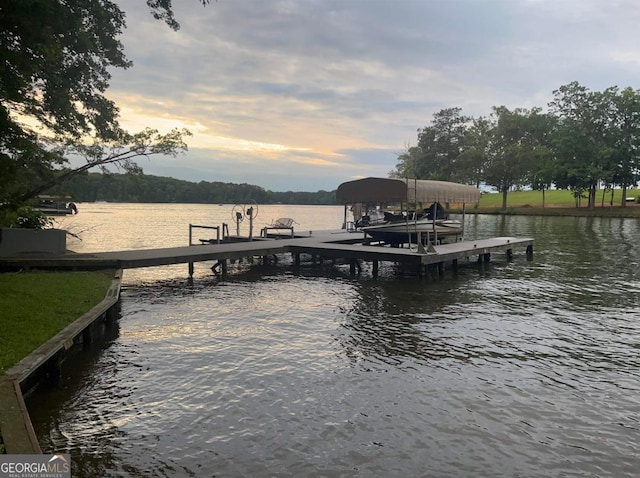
(371, 190)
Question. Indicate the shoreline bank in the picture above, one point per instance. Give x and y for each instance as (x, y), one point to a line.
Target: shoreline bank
(629, 211)
(16, 431)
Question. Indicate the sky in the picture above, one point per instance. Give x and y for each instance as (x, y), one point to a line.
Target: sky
(303, 95)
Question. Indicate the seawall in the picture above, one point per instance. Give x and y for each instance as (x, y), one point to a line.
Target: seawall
(44, 364)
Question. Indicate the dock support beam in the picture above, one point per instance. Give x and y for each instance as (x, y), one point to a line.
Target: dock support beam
(191, 269)
(484, 257)
(376, 266)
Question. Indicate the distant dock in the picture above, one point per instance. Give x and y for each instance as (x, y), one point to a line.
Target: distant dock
(338, 244)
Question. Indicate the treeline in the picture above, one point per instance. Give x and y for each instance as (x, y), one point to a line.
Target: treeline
(146, 188)
(587, 139)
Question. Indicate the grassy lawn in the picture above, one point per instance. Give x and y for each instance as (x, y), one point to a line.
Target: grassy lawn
(557, 203)
(553, 198)
(34, 306)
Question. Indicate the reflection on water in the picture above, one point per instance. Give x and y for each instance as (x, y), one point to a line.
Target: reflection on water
(527, 369)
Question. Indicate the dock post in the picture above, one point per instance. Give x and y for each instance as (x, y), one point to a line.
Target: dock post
(509, 254)
(296, 259)
(376, 266)
(352, 267)
(441, 269)
(530, 252)
(251, 216)
(454, 264)
(190, 269)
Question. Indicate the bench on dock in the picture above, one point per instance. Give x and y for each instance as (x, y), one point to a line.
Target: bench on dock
(283, 223)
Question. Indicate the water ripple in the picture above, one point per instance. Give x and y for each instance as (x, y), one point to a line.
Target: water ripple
(514, 369)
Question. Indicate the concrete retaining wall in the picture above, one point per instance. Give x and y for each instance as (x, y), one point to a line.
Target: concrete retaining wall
(31, 241)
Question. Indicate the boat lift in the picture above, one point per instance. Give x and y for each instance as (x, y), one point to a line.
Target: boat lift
(406, 191)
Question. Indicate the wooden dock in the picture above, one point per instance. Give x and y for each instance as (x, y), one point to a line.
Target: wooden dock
(340, 244)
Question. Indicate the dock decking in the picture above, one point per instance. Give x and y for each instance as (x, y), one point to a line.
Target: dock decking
(323, 244)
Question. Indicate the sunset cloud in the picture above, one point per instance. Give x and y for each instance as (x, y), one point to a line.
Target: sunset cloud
(305, 95)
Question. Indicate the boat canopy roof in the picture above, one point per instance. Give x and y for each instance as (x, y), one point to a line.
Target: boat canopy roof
(369, 190)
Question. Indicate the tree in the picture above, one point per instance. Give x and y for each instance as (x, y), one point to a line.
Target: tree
(438, 150)
(514, 147)
(121, 152)
(441, 144)
(56, 56)
(162, 10)
(542, 169)
(582, 142)
(408, 163)
(473, 158)
(624, 134)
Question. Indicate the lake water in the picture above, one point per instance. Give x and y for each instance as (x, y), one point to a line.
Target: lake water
(521, 368)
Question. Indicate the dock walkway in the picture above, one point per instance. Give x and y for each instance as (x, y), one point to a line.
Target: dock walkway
(323, 244)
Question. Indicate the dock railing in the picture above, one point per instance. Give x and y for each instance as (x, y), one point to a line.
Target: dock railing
(210, 241)
(225, 228)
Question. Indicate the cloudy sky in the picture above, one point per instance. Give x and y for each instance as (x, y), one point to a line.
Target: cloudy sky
(305, 94)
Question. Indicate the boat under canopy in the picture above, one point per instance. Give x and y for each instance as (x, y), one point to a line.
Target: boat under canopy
(386, 190)
(406, 191)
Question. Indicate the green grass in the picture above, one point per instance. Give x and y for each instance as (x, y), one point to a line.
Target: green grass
(553, 198)
(35, 306)
(556, 203)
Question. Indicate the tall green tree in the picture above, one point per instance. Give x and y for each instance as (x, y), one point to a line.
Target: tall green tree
(408, 163)
(55, 57)
(441, 144)
(542, 167)
(515, 146)
(582, 142)
(473, 159)
(624, 135)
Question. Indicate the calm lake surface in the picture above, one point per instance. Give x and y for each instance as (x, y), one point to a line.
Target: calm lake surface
(521, 368)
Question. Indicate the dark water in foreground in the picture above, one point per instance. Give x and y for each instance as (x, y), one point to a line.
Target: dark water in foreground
(519, 369)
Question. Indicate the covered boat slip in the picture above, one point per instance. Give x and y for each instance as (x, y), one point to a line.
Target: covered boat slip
(406, 191)
(387, 190)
